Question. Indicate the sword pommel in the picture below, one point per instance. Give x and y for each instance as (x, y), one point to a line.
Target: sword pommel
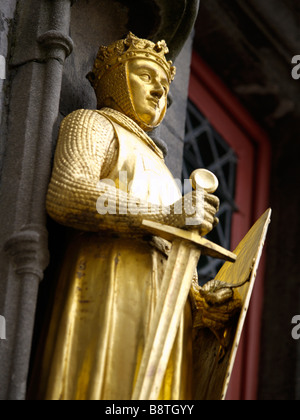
(202, 178)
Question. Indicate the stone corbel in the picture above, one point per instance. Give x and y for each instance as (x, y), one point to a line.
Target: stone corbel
(177, 22)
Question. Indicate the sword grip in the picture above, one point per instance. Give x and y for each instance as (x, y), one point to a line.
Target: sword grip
(202, 178)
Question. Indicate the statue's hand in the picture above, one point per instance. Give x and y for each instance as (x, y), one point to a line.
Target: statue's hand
(211, 208)
(215, 306)
(197, 210)
(219, 303)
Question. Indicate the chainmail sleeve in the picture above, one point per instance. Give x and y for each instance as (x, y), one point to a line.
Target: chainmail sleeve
(86, 149)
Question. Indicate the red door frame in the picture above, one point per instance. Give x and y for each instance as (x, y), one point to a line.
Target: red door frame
(253, 150)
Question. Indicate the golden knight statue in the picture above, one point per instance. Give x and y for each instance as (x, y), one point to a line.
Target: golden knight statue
(109, 176)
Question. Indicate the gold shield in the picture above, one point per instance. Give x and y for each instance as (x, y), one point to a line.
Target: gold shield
(212, 368)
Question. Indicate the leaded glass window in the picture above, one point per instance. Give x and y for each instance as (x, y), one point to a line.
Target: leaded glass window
(205, 148)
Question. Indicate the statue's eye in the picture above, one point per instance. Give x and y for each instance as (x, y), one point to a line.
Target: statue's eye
(145, 77)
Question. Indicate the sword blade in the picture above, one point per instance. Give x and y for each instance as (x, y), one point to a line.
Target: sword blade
(174, 293)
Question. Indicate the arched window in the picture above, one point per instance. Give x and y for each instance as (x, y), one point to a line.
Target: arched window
(222, 137)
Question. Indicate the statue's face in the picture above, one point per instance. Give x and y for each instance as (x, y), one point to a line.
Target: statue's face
(149, 87)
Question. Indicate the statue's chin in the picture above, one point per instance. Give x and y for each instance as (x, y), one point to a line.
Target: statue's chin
(149, 121)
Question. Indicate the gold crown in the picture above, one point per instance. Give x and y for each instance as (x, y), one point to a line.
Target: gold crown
(128, 49)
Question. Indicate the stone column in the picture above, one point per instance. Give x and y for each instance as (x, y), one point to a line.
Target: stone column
(41, 47)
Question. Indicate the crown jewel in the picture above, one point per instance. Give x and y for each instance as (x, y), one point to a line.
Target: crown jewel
(127, 49)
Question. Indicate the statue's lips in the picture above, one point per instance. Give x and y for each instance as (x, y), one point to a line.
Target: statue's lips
(154, 102)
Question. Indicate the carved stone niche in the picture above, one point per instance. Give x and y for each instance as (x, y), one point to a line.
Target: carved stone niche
(109, 20)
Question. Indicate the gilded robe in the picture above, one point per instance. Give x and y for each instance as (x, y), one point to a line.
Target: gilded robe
(111, 275)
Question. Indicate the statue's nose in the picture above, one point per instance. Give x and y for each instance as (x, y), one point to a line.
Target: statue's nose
(158, 91)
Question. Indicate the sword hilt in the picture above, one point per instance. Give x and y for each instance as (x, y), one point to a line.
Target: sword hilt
(202, 178)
